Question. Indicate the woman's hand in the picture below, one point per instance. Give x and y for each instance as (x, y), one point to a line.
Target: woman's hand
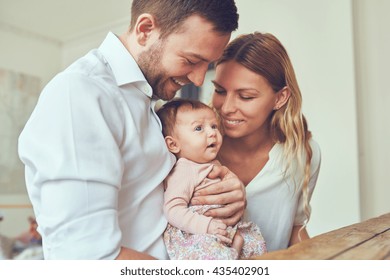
(230, 192)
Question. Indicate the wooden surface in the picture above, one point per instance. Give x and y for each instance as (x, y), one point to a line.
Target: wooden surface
(368, 240)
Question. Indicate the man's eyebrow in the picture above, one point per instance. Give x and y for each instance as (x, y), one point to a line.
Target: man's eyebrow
(198, 56)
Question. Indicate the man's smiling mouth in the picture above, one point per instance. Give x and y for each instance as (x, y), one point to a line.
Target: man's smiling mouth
(178, 82)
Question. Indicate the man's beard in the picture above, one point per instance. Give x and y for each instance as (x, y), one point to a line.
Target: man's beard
(150, 64)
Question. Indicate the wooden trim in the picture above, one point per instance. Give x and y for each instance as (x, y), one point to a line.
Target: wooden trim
(15, 206)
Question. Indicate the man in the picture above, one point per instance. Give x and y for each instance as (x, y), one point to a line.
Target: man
(93, 149)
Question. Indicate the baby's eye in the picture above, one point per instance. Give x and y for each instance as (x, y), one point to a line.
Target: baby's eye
(214, 126)
(198, 128)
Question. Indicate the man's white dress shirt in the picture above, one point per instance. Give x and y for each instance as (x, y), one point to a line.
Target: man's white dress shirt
(95, 159)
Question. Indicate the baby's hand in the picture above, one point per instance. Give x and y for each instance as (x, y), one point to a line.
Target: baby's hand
(218, 228)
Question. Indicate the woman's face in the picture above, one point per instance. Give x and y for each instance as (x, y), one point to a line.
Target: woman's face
(243, 99)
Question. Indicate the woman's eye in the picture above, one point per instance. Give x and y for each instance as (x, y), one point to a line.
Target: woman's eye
(246, 97)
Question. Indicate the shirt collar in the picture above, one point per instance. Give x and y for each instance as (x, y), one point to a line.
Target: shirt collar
(122, 63)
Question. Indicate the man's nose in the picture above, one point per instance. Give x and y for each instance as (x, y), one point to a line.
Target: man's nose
(197, 75)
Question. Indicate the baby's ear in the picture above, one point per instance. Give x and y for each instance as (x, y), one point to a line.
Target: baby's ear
(172, 144)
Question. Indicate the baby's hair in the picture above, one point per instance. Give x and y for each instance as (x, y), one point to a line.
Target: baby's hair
(168, 112)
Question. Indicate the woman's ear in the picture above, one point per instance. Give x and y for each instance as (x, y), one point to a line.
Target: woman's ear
(144, 27)
(172, 144)
(282, 97)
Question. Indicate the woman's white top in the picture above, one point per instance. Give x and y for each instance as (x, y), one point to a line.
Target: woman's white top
(274, 203)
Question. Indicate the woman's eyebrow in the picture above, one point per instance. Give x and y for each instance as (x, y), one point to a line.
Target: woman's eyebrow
(238, 90)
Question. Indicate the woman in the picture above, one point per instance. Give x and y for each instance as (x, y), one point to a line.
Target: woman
(266, 142)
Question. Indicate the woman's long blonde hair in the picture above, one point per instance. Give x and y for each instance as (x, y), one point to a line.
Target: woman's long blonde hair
(265, 55)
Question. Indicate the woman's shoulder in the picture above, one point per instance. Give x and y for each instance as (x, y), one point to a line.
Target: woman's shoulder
(314, 145)
(316, 153)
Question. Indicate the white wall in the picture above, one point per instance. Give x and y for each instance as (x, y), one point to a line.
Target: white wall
(28, 53)
(77, 47)
(372, 43)
(318, 37)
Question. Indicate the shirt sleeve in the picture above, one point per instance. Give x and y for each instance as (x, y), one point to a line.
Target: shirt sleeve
(71, 149)
(180, 185)
(300, 217)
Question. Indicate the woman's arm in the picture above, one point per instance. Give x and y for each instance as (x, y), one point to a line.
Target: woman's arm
(298, 235)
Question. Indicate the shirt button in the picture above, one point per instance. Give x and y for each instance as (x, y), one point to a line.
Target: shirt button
(146, 89)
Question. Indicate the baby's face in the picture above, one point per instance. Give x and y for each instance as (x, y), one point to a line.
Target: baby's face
(197, 133)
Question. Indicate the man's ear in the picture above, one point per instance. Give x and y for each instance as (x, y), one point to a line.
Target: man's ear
(144, 27)
(172, 144)
(282, 97)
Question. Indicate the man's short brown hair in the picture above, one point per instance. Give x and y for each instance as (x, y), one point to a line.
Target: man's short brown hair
(170, 14)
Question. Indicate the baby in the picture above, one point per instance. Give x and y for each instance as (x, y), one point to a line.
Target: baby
(191, 133)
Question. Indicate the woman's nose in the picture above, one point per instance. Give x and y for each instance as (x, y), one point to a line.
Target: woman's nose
(228, 105)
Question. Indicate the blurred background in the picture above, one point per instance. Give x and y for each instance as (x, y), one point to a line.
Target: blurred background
(340, 51)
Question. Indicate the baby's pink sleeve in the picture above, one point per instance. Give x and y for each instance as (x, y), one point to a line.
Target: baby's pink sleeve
(180, 185)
